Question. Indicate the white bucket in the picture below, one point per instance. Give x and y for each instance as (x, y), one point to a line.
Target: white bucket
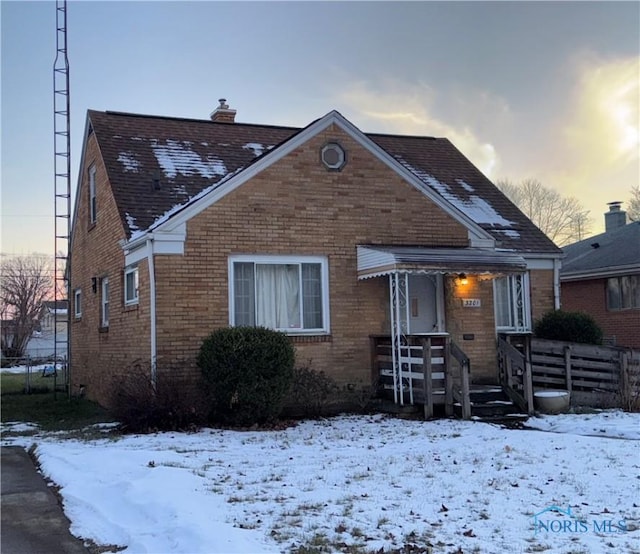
(552, 401)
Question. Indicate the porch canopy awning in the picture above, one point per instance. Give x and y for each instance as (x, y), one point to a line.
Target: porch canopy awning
(374, 261)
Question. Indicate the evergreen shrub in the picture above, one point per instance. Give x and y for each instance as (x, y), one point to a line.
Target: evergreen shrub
(569, 327)
(247, 373)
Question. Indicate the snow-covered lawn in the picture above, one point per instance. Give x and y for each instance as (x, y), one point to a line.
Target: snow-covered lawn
(34, 369)
(369, 481)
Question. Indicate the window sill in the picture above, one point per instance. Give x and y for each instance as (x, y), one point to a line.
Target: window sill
(130, 307)
(304, 339)
(103, 329)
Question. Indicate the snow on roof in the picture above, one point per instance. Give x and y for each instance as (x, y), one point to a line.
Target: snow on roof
(129, 161)
(476, 208)
(131, 222)
(511, 233)
(177, 157)
(255, 147)
(158, 165)
(177, 207)
(465, 186)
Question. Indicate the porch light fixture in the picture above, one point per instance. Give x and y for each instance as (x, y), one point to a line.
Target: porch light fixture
(462, 279)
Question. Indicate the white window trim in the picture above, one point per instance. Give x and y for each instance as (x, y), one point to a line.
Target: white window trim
(77, 303)
(131, 301)
(104, 302)
(526, 300)
(268, 259)
(93, 201)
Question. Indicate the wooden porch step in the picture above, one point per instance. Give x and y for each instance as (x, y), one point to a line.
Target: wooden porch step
(490, 403)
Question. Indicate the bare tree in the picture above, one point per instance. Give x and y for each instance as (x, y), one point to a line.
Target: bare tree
(563, 219)
(27, 281)
(633, 208)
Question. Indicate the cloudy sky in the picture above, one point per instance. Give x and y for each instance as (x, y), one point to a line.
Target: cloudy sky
(543, 90)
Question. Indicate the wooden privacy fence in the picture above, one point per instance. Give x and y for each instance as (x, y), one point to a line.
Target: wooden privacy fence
(596, 376)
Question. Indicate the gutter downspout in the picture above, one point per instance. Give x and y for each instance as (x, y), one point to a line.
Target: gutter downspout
(152, 310)
(556, 284)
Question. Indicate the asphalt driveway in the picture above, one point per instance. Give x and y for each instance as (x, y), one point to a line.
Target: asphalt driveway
(32, 520)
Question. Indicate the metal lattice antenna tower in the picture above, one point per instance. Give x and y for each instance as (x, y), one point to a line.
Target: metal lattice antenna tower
(62, 185)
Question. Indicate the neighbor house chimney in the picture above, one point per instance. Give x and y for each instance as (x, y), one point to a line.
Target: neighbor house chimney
(222, 114)
(615, 217)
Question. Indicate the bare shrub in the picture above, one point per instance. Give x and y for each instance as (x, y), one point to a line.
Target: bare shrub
(174, 404)
(311, 391)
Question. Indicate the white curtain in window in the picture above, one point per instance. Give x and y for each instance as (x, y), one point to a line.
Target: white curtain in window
(278, 296)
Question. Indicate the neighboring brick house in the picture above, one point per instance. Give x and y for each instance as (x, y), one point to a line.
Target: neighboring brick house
(601, 276)
(330, 234)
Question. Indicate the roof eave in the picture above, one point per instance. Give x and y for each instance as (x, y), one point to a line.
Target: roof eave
(599, 273)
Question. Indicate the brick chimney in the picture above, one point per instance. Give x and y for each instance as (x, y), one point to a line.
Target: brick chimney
(615, 217)
(222, 114)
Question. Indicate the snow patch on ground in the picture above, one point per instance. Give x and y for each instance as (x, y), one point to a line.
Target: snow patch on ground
(372, 481)
(609, 423)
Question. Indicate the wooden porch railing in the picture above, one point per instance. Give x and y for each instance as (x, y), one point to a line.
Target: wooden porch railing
(434, 371)
(457, 382)
(515, 374)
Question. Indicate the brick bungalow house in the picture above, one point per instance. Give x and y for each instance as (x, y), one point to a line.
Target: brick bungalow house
(601, 276)
(337, 237)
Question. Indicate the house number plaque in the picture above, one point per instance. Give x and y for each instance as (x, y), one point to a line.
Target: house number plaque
(471, 303)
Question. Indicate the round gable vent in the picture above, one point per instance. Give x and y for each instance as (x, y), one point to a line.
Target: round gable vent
(333, 156)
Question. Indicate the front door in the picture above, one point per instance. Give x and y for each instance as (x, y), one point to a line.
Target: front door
(425, 306)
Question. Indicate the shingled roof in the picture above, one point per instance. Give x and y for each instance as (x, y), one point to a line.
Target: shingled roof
(614, 251)
(156, 164)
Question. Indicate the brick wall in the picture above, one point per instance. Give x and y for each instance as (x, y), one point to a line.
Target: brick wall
(541, 288)
(293, 207)
(473, 329)
(97, 354)
(298, 207)
(590, 296)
